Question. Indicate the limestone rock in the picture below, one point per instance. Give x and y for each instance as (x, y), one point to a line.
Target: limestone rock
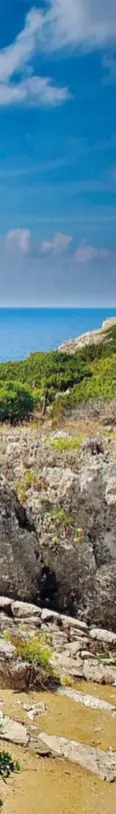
(14, 732)
(7, 650)
(24, 610)
(98, 672)
(35, 709)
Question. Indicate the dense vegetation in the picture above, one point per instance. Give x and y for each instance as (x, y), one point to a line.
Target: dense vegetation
(90, 373)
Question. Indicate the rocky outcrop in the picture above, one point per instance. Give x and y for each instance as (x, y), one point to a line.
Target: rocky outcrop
(90, 338)
(20, 559)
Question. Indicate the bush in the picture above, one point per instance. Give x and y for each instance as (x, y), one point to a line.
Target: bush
(16, 401)
(62, 444)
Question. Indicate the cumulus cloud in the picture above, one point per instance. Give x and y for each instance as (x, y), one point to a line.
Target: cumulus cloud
(16, 58)
(21, 241)
(88, 254)
(58, 244)
(17, 239)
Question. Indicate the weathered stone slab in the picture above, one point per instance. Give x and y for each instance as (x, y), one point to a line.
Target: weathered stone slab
(87, 700)
(105, 636)
(103, 764)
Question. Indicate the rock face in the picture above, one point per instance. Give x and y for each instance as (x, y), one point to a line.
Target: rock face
(61, 550)
(20, 561)
(84, 568)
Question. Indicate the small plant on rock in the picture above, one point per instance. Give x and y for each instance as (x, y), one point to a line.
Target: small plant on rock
(7, 767)
(30, 477)
(60, 518)
(33, 651)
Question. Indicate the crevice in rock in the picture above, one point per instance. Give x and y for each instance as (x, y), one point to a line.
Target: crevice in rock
(25, 522)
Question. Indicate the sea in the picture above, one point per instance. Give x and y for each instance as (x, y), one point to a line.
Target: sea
(26, 330)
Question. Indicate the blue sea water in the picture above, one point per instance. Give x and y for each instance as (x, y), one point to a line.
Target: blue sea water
(25, 330)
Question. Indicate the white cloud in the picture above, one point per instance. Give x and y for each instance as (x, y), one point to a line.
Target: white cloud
(13, 58)
(74, 23)
(58, 244)
(17, 57)
(88, 23)
(35, 90)
(88, 254)
(18, 239)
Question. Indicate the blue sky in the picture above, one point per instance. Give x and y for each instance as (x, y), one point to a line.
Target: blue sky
(58, 152)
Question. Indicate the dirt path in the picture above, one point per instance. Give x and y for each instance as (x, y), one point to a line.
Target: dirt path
(49, 786)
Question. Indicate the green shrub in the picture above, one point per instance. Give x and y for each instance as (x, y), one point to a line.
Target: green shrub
(33, 651)
(66, 443)
(16, 401)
